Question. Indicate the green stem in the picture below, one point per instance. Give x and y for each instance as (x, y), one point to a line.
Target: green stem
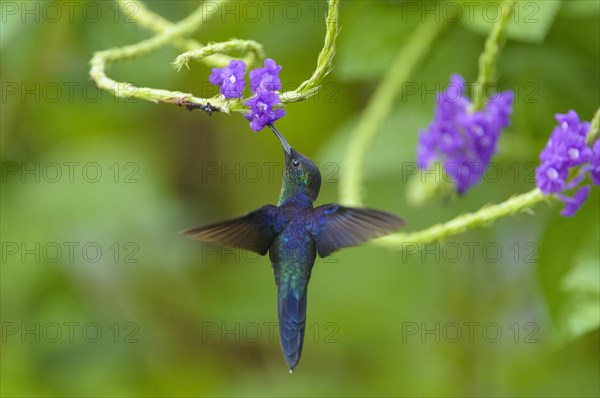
(325, 59)
(483, 217)
(487, 59)
(122, 89)
(594, 132)
(253, 49)
(379, 107)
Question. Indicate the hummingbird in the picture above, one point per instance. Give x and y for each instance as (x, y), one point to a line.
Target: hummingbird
(293, 232)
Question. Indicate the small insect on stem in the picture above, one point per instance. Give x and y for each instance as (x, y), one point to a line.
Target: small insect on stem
(208, 108)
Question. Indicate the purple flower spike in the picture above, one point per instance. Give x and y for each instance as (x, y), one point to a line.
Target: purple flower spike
(261, 109)
(463, 141)
(266, 78)
(566, 151)
(566, 147)
(230, 79)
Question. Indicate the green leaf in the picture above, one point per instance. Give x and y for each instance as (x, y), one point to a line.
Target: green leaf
(568, 268)
(530, 22)
(582, 286)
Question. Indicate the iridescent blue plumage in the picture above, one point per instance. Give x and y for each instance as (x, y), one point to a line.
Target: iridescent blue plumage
(292, 255)
(294, 232)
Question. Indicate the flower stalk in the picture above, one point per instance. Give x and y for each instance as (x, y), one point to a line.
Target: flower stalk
(481, 218)
(491, 52)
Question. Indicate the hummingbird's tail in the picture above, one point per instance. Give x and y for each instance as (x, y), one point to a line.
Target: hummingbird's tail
(292, 320)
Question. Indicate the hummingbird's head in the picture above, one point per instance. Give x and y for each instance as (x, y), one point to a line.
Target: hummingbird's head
(300, 174)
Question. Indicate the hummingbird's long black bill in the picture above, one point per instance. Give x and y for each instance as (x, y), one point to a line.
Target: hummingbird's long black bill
(286, 147)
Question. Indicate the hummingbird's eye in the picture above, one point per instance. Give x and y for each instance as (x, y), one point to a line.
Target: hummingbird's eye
(295, 163)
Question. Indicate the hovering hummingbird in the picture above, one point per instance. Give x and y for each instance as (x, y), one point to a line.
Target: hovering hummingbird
(294, 232)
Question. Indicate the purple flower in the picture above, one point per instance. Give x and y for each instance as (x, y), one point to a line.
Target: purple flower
(549, 178)
(566, 154)
(230, 79)
(463, 141)
(261, 109)
(566, 147)
(266, 78)
(574, 203)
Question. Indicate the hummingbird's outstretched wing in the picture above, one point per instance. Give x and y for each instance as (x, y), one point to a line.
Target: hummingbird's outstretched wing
(255, 231)
(335, 226)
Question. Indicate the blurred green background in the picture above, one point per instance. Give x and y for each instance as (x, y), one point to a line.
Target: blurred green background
(101, 297)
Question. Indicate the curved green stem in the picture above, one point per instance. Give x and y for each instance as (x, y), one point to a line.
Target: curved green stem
(155, 22)
(484, 216)
(122, 89)
(325, 61)
(212, 55)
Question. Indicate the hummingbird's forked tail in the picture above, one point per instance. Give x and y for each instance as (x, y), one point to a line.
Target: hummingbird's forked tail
(292, 320)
